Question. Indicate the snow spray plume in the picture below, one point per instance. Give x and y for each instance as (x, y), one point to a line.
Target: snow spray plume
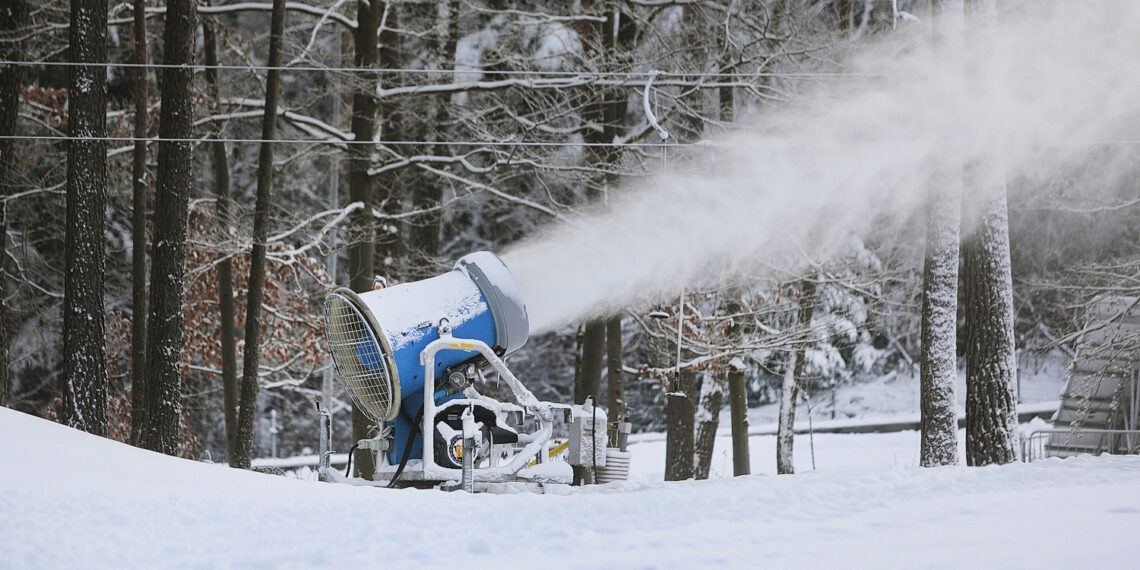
(1054, 85)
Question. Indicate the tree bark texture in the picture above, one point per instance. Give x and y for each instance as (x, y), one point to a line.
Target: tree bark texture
(138, 225)
(13, 16)
(84, 343)
(615, 378)
(737, 389)
(593, 356)
(247, 408)
(361, 251)
(391, 248)
(938, 360)
(427, 195)
(679, 412)
(168, 259)
(991, 366)
(707, 421)
(219, 160)
(789, 395)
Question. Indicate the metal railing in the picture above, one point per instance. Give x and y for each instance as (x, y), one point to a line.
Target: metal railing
(1068, 442)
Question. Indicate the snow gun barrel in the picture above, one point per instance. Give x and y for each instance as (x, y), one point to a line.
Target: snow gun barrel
(376, 337)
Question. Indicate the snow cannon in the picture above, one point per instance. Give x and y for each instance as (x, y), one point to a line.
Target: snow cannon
(411, 356)
(376, 337)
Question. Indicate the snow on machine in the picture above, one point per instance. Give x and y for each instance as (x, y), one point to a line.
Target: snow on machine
(411, 356)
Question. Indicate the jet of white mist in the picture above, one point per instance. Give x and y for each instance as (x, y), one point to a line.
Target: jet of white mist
(1054, 85)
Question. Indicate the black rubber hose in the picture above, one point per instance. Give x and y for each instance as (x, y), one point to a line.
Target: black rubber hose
(407, 449)
(594, 440)
(348, 469)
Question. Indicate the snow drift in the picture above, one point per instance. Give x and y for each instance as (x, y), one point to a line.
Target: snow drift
(74, 500)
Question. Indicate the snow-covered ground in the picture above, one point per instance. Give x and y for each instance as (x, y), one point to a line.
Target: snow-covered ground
(73, 500)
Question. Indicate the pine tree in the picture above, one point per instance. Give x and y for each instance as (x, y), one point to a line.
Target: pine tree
(247, 409)
(84, 343)
(172, 194)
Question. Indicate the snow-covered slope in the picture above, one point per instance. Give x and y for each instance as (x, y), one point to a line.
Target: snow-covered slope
(72, 500)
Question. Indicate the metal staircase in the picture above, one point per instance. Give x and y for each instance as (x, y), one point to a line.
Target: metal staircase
(1100, 406)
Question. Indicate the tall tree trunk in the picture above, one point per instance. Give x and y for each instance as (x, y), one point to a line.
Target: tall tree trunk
(391, 249)
(427, 194)
(615, 378)
(737, 389)
(938, 360)
(247, 408)
(991, 366)
(172, 196)
(219, 160)
(593, 355)
(138, 227)
(84, 344)
(13, 17)
(939, 357)
(596, 130)
(707, 421)
(361, 251)
(786, 430)
(679, 413)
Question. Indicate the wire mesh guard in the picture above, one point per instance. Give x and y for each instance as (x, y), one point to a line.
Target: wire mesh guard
(359, 359)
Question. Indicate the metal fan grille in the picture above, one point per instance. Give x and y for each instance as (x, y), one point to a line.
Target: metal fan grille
(359, 359)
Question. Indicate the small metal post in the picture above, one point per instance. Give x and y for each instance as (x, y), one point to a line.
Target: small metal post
(468, 483)
(273, 430)
(324, 446)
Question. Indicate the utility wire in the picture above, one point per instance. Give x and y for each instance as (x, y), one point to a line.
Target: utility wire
(504, 144)
(663, 75)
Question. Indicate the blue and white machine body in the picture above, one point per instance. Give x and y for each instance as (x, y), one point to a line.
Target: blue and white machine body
(410, 354)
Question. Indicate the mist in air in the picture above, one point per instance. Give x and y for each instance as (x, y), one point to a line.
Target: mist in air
(1056, 85)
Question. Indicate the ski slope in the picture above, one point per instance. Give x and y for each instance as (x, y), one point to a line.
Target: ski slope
(72, 500)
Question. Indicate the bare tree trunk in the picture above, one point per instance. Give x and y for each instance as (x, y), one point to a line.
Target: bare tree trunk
(138, 227)
(361, 251)
(939, 357)
(679, 413)
(427, 195)
(938, 360)
(391, 247)
(219, 160)
(84, 344)
(13, 17)
(593, 355)
(786, 431)
(250, 358)
(991, 368)
(737, 389)
(161, 421)
(615, 379)
(595, 45)
(707, 421)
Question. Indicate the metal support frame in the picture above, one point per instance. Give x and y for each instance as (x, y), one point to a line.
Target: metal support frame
(429, 470)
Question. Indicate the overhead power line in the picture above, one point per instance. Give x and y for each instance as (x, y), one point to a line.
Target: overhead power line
(661, 75)
(334, 141)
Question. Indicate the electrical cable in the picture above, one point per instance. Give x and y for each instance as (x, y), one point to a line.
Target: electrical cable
(336, 141)
(669, 77)
(407, 448)
(594, 439)
(348, 469)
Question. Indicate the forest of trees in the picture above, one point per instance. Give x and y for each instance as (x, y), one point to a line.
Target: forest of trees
(185, 180)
